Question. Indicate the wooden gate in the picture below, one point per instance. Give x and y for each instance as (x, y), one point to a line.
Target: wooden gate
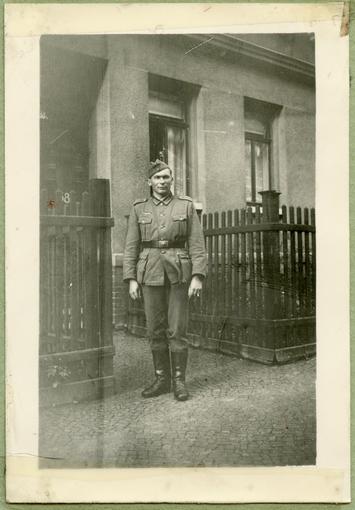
(76, 346)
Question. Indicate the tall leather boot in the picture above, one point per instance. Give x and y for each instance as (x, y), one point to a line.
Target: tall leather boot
(162, 383)
(178, 363)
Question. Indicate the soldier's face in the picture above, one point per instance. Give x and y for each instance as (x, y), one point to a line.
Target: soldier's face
(161, 182)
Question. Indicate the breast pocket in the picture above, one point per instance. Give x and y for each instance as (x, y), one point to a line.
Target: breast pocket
(145, 226)
(180, 225)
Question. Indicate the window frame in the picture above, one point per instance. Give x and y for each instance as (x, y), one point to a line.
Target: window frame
(172, 121)
(253, 138)
(268, 114)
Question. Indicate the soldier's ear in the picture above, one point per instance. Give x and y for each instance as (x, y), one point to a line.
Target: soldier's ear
(149, 182)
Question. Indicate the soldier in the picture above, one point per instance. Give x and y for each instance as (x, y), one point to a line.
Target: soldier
(165, 259)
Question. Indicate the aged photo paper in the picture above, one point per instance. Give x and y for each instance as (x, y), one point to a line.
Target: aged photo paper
(195, 88)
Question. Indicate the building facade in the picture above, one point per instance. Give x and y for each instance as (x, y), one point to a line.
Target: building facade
(233, 115)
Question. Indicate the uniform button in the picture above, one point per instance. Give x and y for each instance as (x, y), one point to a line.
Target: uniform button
(163, 226)
(162, 251)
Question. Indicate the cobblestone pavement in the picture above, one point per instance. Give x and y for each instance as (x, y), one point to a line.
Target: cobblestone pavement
(240, 413)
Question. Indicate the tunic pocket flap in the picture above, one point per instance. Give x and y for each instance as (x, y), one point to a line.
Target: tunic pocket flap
(146, 218)
(185, 267)
(179, 217)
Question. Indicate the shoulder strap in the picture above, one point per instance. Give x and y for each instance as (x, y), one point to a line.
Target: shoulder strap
(140, 201)
(184, 197)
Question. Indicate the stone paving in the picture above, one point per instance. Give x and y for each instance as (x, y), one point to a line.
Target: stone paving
(240, 413)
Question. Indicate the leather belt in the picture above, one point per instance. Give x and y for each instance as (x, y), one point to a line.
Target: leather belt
(163, 244)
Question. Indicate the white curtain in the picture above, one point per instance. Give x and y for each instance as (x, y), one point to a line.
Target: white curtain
(177, 157)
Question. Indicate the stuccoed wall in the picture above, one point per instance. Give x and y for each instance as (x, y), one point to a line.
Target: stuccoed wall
(300, 158)
(224, 149)
(100, 134)
(129, 139)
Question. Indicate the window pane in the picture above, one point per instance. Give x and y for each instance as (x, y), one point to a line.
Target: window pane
(157, 140)
(248, 170)
(177, 157)
(261, 168)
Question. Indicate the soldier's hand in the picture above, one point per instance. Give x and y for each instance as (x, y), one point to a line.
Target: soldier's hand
(134, 290)
(195, 287)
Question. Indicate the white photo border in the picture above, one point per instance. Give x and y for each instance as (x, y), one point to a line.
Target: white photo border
(329, 480)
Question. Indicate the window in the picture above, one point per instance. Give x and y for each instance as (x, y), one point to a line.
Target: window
(168, 127)
(258, 124)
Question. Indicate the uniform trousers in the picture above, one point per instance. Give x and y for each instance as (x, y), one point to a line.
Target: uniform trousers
(166, 311)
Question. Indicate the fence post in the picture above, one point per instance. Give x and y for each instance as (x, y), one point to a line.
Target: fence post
(99, 190)
(271, 254)
(271, 204)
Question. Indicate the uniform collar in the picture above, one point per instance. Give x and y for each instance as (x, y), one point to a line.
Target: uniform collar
(165, 201)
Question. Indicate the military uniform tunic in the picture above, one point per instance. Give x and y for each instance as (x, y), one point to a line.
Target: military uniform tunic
(164, 249)
(172, 219)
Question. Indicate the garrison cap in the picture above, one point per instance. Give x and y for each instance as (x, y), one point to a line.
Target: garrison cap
(156, 166)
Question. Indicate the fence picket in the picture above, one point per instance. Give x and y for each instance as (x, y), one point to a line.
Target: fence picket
(259, 298)
(58, 289)
(66, 302)
(236, 266)
(300, 280)
(43, 287)
(286, 298)
(204, 297)
(243, 283)
(251, 266)
(293, 264)
(216, 276)
(223, 282)
(58, 203)
(52, 281)
(314, 258)
(210, 289)
(75, 289)
(307, 263)
(229, 283)
(73, 202)
(85, 204)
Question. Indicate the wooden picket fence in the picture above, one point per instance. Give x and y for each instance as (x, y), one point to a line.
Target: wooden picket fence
(76, 346)
(259, 296)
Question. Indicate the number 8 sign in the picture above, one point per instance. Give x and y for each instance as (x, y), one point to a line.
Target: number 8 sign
(66, 198)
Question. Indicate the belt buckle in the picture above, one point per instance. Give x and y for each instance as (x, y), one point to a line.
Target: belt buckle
(163, 244)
